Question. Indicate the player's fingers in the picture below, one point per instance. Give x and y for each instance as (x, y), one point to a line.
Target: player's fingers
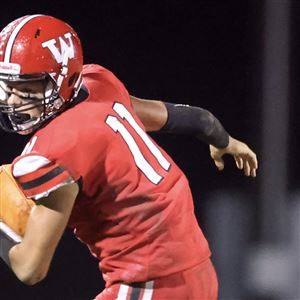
(246, 168)
(239, 162)
(253, 172)
(252, 159)
(253, 165)
(219, 164)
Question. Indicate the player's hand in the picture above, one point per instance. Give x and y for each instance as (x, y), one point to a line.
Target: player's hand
(245, 158)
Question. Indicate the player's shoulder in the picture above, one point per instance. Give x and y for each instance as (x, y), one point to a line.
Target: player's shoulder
(75, 129)
(98, 72)
(48, 145)
(104, 85)
(58, 155)
(94, 68)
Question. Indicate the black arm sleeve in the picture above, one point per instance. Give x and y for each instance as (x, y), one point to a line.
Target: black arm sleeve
(191, 120)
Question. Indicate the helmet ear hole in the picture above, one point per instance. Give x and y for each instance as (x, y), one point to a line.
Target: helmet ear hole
(37, 33)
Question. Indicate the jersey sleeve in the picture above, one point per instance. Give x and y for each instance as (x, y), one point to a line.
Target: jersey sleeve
(104, 85)
(67, 150)
(38, 176)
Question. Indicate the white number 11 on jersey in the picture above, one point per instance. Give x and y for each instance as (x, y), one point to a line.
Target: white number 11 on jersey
(139, 158)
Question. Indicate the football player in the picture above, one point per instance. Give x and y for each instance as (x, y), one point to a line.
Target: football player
(91, 165)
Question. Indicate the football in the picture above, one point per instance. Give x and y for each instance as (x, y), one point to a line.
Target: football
(14, 206)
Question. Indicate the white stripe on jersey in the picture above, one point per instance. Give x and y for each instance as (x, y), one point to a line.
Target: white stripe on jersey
(28, 164)
(13, 36)
(29, 146)
(123, 292)
(148, 291)
(58, 186)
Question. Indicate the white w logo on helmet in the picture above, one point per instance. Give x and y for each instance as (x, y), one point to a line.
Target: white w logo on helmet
(64, 47)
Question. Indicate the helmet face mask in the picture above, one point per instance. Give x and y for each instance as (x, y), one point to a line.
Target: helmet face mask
(44, 102)
(37, 48)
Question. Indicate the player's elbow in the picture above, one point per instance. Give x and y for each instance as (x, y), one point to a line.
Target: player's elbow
(32, 280)
(29, 271)
(31, 277)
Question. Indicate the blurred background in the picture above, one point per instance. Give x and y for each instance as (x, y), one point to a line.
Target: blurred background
(241, 61)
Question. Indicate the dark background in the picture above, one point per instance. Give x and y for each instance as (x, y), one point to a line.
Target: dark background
(204, 53)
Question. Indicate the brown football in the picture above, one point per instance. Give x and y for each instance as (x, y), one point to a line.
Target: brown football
(14, 206)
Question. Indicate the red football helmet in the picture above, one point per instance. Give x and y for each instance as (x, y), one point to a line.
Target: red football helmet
(37, 47)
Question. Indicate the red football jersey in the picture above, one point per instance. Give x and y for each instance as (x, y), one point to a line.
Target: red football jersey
(135, 209)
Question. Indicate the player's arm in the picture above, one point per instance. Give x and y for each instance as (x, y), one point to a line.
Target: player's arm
(152, 113)
(181, 119)
(31, 258)
(196, 121)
